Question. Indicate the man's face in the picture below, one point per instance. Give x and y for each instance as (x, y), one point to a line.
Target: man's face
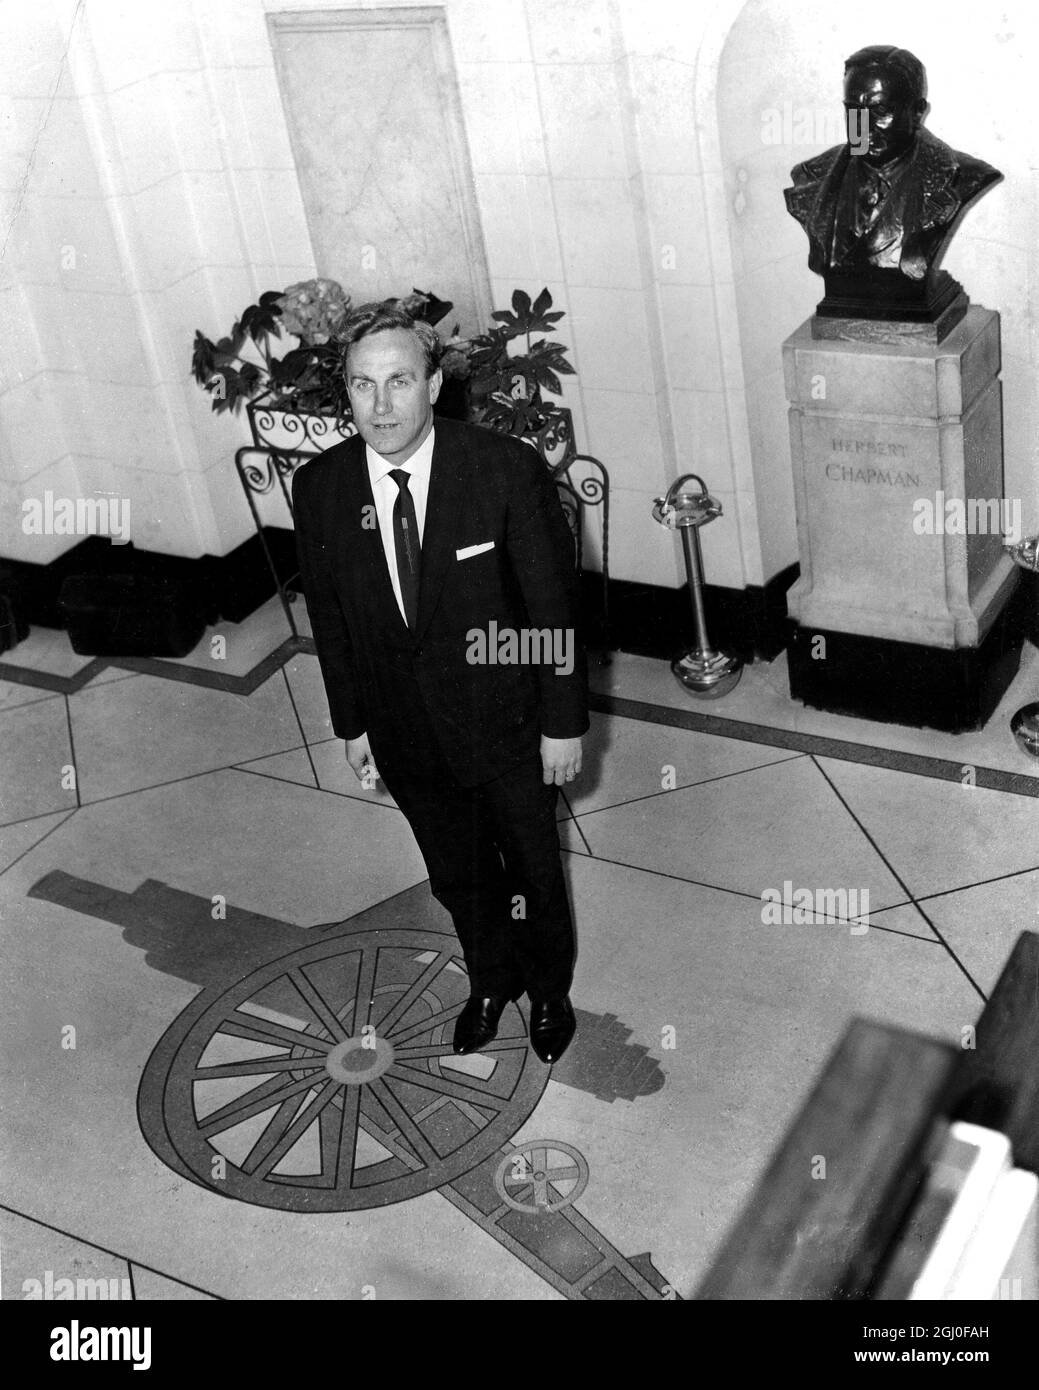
(390, 394)
(873, 100)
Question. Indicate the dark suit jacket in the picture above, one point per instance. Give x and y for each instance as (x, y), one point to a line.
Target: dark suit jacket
(944, 182)
(394, 684)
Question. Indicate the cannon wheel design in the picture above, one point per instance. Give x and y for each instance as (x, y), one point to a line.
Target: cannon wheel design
(323, 1081)
(527, 1181)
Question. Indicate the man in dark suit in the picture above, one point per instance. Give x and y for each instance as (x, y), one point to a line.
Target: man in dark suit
(439, 575)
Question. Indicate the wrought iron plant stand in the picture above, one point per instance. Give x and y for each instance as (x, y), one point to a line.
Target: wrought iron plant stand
(269, 461)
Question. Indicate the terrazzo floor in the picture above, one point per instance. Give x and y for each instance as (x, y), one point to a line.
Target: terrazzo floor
(193, 887)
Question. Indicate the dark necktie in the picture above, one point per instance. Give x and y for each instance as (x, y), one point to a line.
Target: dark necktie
(406, 545)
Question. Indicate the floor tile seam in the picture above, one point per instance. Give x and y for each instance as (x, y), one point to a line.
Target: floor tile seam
(751, 897)
(190, 777)
(901, 881)
(72, 752)
(326, 791)
(39, 699)
(573, 821)
(821, 745)
(382, 902)
(104, 1250)
(908, 901)
(72, 810)
(584, 839)
(687, 786)
(299, 724)
(796, 741)
(320, 742)
(979, 883)
(36, 815)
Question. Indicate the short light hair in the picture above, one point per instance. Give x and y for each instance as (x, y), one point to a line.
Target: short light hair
(905, 66)
(380, 318)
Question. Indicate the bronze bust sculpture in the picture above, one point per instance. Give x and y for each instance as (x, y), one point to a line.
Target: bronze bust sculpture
(880, 210)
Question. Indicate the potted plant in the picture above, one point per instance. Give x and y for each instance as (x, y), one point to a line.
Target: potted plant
(297, 399)
(505, 385)
(297, 402)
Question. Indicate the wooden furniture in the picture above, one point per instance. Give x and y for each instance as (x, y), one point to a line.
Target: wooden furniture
(876, 1119)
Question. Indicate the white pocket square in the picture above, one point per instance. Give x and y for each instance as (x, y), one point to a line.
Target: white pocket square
(468, 550)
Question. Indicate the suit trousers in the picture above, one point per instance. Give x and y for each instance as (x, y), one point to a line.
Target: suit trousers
(492, 854)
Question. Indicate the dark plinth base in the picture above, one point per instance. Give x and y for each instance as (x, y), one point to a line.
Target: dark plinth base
(886, 306)
(902, 683)
(874, 330)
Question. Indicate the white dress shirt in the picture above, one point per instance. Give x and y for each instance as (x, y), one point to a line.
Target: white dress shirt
(385, 492)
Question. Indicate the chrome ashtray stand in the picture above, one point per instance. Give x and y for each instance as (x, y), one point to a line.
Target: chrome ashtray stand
(1025, 723)
(703, 670)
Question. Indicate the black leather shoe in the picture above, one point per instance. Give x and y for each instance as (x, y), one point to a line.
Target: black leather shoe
(477, 1024)
(552, 1025)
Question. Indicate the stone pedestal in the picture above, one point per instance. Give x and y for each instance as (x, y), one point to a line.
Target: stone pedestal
(897, 450)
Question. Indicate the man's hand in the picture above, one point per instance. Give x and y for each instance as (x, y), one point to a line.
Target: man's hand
(560, 759)
(359, 756)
